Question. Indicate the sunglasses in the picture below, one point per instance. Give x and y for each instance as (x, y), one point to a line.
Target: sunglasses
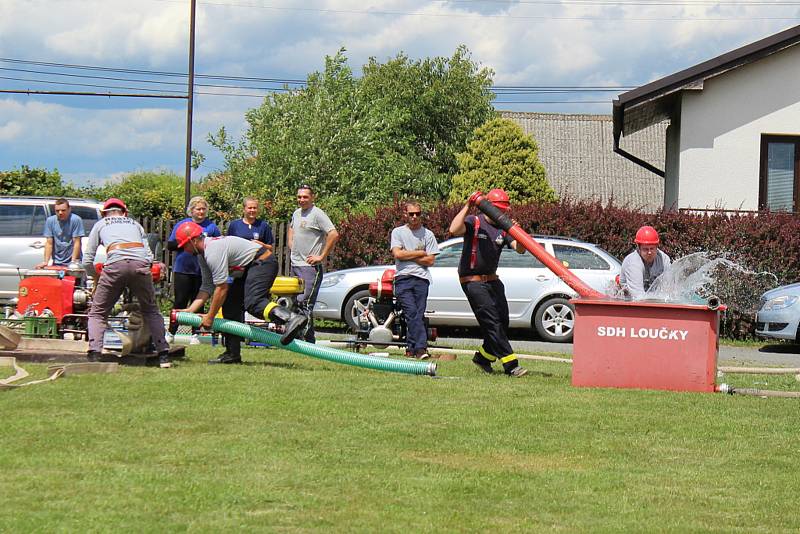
(414, 213)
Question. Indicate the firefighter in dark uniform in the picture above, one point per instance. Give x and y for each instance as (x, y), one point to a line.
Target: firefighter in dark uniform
(477, 272)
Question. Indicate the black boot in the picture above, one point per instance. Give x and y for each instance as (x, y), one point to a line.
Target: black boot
(93, 356)
(226, 357)
(294, 323)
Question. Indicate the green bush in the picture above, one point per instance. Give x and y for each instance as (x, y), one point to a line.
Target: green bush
(501, 155)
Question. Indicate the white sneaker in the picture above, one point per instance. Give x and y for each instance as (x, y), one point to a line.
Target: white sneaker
(194, 340)
(170, 338)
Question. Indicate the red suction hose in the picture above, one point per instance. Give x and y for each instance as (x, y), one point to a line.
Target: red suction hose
(533, 246)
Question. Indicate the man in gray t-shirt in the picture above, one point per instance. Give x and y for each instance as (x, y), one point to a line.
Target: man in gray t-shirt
(414, 248)
(311, 238)
(128, 265)
(237, 276)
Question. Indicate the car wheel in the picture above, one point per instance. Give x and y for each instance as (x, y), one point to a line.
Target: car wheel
(355, 306)
(555, 320)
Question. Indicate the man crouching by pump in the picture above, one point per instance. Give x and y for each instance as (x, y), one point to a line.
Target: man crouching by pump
(253, 268)
(128, 264)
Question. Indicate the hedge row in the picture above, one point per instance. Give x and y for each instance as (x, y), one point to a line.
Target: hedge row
(759, 242)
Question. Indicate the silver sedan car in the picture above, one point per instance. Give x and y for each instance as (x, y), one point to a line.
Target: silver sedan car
(779, 315)
(537, 298)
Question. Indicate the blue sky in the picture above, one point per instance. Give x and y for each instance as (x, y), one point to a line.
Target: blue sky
(531, 43)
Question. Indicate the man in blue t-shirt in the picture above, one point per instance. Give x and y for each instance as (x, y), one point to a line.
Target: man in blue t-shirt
(63, 232)
(250, 227)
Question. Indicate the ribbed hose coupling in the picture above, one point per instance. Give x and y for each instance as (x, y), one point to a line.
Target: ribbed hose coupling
(309, 349)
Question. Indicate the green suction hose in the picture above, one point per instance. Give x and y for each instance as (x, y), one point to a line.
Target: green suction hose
(309, 349)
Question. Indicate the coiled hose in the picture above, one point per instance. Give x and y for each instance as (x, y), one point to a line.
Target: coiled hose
(309, 349)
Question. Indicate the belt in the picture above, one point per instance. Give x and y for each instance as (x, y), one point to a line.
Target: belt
(478, 278)
(115, 246)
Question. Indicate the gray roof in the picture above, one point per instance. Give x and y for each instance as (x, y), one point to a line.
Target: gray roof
(577, 153)
(656, 101)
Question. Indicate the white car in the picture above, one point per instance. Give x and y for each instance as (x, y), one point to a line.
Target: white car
(537, 298)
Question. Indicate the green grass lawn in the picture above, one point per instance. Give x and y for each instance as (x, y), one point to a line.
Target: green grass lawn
(290, 443)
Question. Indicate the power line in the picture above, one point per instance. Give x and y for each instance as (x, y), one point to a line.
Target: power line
(500, 90)
(288, 81)
(136, 80)
(82, 93)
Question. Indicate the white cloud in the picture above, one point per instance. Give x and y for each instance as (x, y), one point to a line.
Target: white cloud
(625, 45)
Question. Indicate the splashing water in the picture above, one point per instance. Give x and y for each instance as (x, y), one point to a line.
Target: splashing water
(697, 277)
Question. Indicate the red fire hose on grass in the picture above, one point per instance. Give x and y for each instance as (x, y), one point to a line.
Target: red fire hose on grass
(533, 246)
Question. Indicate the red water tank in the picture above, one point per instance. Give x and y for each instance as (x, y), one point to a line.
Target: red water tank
(645, 345)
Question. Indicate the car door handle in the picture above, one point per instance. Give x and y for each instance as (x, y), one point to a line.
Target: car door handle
(542, 278)
(36, 244)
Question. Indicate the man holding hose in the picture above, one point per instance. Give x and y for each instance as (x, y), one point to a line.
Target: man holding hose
(477, 272)
(253, 269)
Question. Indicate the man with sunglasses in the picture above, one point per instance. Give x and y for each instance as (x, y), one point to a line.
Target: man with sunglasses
(414, 249)
(311, 238)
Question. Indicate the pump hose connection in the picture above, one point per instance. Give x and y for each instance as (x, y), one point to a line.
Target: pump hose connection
(309, 349)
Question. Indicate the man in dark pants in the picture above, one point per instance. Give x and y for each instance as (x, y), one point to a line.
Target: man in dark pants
(128, 264)
(414, 248)
(253, 268)
(477, 271)
(311, 238)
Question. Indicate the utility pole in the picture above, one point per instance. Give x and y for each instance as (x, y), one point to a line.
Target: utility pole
(187, 186)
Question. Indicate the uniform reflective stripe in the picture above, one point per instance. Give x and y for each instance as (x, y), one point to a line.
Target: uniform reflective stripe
(269, 308)
(487, 355)
(509, 358)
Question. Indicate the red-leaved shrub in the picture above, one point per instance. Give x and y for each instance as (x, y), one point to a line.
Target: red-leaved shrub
(759, 242)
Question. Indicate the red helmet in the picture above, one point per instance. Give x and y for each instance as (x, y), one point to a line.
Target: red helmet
(114, 204)
(187, 231)
(499, 198)
(646, 235)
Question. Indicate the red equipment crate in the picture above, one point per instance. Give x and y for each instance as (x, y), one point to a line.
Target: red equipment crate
(46, 292)
(645, 345)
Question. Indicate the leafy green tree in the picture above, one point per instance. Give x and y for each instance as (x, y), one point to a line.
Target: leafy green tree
(439, 102)
(360, 142)
(501, 155)
(149, 193)
(27, 181)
